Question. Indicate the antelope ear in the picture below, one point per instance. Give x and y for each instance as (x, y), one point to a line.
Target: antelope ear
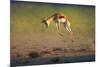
(41, 19)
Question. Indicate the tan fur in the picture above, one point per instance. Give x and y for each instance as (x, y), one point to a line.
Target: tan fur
(55, 17)
(59, 18)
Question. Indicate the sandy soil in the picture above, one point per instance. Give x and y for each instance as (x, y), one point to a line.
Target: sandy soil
(53, 45)
(37, 49)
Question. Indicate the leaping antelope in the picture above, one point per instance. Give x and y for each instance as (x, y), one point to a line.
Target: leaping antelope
(58, 18)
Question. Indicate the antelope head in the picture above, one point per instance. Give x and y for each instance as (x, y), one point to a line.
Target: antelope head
(45, 23)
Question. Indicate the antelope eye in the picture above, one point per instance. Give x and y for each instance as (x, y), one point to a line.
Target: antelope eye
(44, 21)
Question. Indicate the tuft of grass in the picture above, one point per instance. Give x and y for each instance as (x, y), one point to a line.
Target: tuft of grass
(57, 49)
(82, 49)
(45, 52)
(55, 60)
(34, 54)
(65, 50)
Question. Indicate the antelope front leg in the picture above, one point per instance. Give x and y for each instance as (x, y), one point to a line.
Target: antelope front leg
(58, 27)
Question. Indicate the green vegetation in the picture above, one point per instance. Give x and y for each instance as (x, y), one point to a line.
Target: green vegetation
(26, 17)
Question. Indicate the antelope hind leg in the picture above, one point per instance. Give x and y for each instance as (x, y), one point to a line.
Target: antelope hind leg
(58, 26)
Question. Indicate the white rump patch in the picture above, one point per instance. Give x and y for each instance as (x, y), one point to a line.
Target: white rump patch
(62, 20)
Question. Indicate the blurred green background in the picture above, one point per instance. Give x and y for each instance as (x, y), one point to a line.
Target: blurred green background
(26, 17)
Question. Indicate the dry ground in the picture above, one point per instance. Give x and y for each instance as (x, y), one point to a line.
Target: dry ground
(53, 45)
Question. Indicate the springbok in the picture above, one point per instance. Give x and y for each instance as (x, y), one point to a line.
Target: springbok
(58, 18)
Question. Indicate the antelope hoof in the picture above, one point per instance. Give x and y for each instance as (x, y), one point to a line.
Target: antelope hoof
(60, 34)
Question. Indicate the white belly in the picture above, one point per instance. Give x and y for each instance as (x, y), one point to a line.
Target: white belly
(62, 20)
